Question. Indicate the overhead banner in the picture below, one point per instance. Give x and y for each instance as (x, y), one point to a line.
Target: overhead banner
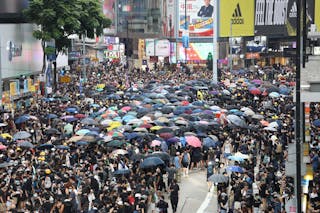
(109, 12)
(157, 47)
(197, 17)
(317, 14)
(279, 17)
(168, 16)
(195, 52)
(236, 18)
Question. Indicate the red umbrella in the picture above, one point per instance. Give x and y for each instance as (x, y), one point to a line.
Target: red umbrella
(193, 141)
(80, 116)
(3, 147)
(147, 126)
(255, 91)
(185, 103)
(166, 135)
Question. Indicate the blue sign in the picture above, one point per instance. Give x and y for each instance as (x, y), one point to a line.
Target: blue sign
(185, 41)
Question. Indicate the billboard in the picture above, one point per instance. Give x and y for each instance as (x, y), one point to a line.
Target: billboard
(109, 12)
(317, 14)
(168, 11)
(21, 53)
(195, 52)
(196, 16)
(157, 47)
(279, 17)
(236, 18)
(11, 10)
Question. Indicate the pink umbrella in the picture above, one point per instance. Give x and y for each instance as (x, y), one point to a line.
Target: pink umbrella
(126, 108)
(255, 91)
(193, 141)
(3, 147)
(155, 143)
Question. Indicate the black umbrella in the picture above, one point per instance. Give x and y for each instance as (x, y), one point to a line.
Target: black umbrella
(151, 162)
(162, 155)
(52, 131)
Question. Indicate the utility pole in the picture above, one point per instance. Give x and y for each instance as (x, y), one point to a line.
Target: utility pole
(230, 46)
(298, 120)
(186, 28)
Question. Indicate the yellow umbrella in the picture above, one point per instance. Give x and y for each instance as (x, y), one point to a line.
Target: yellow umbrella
(155, 128)
(6, 136)
(113, 125)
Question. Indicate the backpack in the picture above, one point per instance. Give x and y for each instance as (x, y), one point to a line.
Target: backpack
(185, 158)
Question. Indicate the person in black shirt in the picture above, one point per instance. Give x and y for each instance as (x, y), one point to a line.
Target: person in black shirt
(162, 205)
(174, 195)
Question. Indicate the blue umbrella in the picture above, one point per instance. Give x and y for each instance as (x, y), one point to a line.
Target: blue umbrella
(22, 119)
(26, 144)
(235, 169)
(51, 116)
(208, 142)
(71, 109)
(21, 135)
(151, 162)
(62, 147)
(70, 120)
(133, 135)
(45, 146)
(316, 123)
(82, 143)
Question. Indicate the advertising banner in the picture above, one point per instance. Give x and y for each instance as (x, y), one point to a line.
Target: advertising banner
(195, 52)
(236, 18)
(279, 17)
(317, 14)
(168, 14)
(109, 12)
(197, 17)
(13, 88)
(157, 47)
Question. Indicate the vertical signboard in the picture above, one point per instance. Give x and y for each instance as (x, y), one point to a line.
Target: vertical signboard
(168, 17)
(199, 17)
(236, 18)
(278, 17)
(317, 14)
(109, 12)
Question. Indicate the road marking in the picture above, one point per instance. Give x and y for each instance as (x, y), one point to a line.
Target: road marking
(206, 201)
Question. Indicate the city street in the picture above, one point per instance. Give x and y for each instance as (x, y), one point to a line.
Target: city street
(194, 195)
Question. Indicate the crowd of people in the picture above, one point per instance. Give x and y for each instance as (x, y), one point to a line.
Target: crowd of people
(105, 146)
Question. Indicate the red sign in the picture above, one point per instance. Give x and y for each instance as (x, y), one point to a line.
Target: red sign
(252, 55)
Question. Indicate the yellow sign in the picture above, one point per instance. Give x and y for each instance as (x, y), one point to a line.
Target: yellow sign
(32, 88)
(317, 14)
(65, 79)
(236, 18)
(13, 88)
(30, 83)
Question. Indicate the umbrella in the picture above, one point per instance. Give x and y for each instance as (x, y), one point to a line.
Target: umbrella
(71, 109)
(139, 129)
(274, 95)
(2, 147)
(82, 143)
(6, 136)
(51, 116)
(63, 147)
(193, 141)
(3, 124)
(52, 131)
(208, 142)
(316, 123)
(162, 155)
(235, 169)
(115, 143)
(155, 143)
(82, 131)
(236, 120)
(272, 129)
(70, 120)
(26, 144)
(116, 134)
(21, 135)
(45, 146)
(244, 156)
(89, 121)
(255, 91)
(218, 178)
(121, 172)
(151, 162)
(119, 152)
(80, 116)
(22, 119)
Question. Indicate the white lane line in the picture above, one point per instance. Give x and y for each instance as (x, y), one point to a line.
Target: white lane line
(206, 201)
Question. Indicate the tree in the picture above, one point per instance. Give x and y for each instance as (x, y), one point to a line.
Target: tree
(59, 19)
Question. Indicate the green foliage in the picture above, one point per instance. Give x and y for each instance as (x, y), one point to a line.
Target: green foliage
(60, 18)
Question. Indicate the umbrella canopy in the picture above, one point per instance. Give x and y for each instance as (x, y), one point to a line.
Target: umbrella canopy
(274, 95)
(52, 131)
(63, 147)
(45, 146)
(235, 158)
(5, 164)
(21, 135)
(244, 156)
(26, 144)
(155, 143)
(51, 116)
(162, 155)
(119, 152)
(89, 121)
(115, 143)
(236, 120)
(218, 178)
(22, 119)
(193, 141)
(3, 147)
(82, 132)
(316, 123)
(255, 91)
(151, 162)
(235, 169)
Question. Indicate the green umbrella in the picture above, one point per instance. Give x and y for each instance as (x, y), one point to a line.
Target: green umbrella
(115, 143)
(68, 129)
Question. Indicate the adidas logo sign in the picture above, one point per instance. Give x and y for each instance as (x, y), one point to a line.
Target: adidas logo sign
(293, 11)
(237, 16)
